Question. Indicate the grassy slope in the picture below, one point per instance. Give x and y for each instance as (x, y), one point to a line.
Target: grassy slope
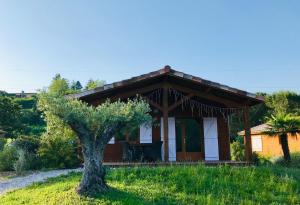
(173, 185)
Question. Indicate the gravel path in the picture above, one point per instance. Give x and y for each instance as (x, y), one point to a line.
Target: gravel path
(20, 182)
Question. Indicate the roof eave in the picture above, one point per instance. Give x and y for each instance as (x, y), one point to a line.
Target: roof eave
(255, 99)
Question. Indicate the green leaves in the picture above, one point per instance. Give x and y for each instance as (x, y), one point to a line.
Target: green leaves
(283, 102)
(96, 120)
(10, 114)
(283, 124)
(91, 84)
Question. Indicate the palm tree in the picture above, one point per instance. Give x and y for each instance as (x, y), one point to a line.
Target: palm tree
(282, 125)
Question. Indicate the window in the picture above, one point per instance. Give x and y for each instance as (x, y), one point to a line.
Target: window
(131, 135)
(256, 143)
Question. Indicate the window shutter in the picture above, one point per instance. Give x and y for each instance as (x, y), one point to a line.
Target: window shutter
(211, 145)
(145, 133)
(172, 139)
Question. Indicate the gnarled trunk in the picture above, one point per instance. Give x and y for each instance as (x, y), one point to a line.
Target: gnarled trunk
(92, 181)
(285, 147)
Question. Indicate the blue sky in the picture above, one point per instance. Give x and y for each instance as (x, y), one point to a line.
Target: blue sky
(251, 45)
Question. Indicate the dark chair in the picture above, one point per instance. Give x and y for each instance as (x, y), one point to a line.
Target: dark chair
(142, 152)
(152, 152)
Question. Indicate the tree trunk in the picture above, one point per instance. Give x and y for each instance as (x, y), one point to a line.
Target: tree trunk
(285, 147)
(92, 181)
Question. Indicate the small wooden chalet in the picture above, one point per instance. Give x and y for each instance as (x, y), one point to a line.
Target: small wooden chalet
(190, 117)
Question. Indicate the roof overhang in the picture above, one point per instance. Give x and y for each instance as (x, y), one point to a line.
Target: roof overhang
(167, 72)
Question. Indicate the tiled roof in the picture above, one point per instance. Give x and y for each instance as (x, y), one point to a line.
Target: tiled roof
(168, 71)
(257, 129)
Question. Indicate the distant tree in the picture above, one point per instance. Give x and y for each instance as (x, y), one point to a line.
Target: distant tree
(95, 126)
(31, 117)
(59, 85)
(3, 93)
(282, 125)
(93, 84)
(10, 113)
(76, 86)
(283, 102)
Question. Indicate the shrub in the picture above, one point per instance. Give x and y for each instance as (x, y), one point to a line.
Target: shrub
(295, 160)
(58, 152)
(260, 160)
(27, 143)
(7, 158)
(36, 130)
(237, 151)
(2, 143)
(26, 161)
(20, 164)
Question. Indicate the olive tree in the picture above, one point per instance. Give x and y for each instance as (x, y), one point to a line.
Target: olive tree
(95, 126)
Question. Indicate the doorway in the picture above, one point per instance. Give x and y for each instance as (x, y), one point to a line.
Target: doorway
(189, 139)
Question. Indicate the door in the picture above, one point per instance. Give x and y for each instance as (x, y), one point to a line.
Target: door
(189, 134)
(211, 144)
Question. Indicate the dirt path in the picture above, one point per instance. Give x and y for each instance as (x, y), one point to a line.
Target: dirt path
(20, 182)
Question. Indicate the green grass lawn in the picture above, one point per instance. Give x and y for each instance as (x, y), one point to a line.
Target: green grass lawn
(173, 185)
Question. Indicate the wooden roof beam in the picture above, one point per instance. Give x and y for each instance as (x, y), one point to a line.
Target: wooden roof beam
(137, 91)
(154, 104)
(207, 96)
(176, 104)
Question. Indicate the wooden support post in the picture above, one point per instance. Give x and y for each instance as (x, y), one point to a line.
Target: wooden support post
(166, 123)
(247, 136)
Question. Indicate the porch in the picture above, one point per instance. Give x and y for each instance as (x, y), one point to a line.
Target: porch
(190, 117)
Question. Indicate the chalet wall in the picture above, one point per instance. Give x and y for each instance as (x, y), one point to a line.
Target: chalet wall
(113, 152)
(272, 147)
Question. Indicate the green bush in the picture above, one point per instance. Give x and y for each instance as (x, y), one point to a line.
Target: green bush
(237, 151)
(260, 160)
(26, 103)
(20, 164)
(2, 143)
(58, 152)
(7, 158)
(26, 161)
(35, 130)
(295, 160)
(27, 143)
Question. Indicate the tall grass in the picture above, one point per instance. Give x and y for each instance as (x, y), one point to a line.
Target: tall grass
(174, 185)
(295, 160)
